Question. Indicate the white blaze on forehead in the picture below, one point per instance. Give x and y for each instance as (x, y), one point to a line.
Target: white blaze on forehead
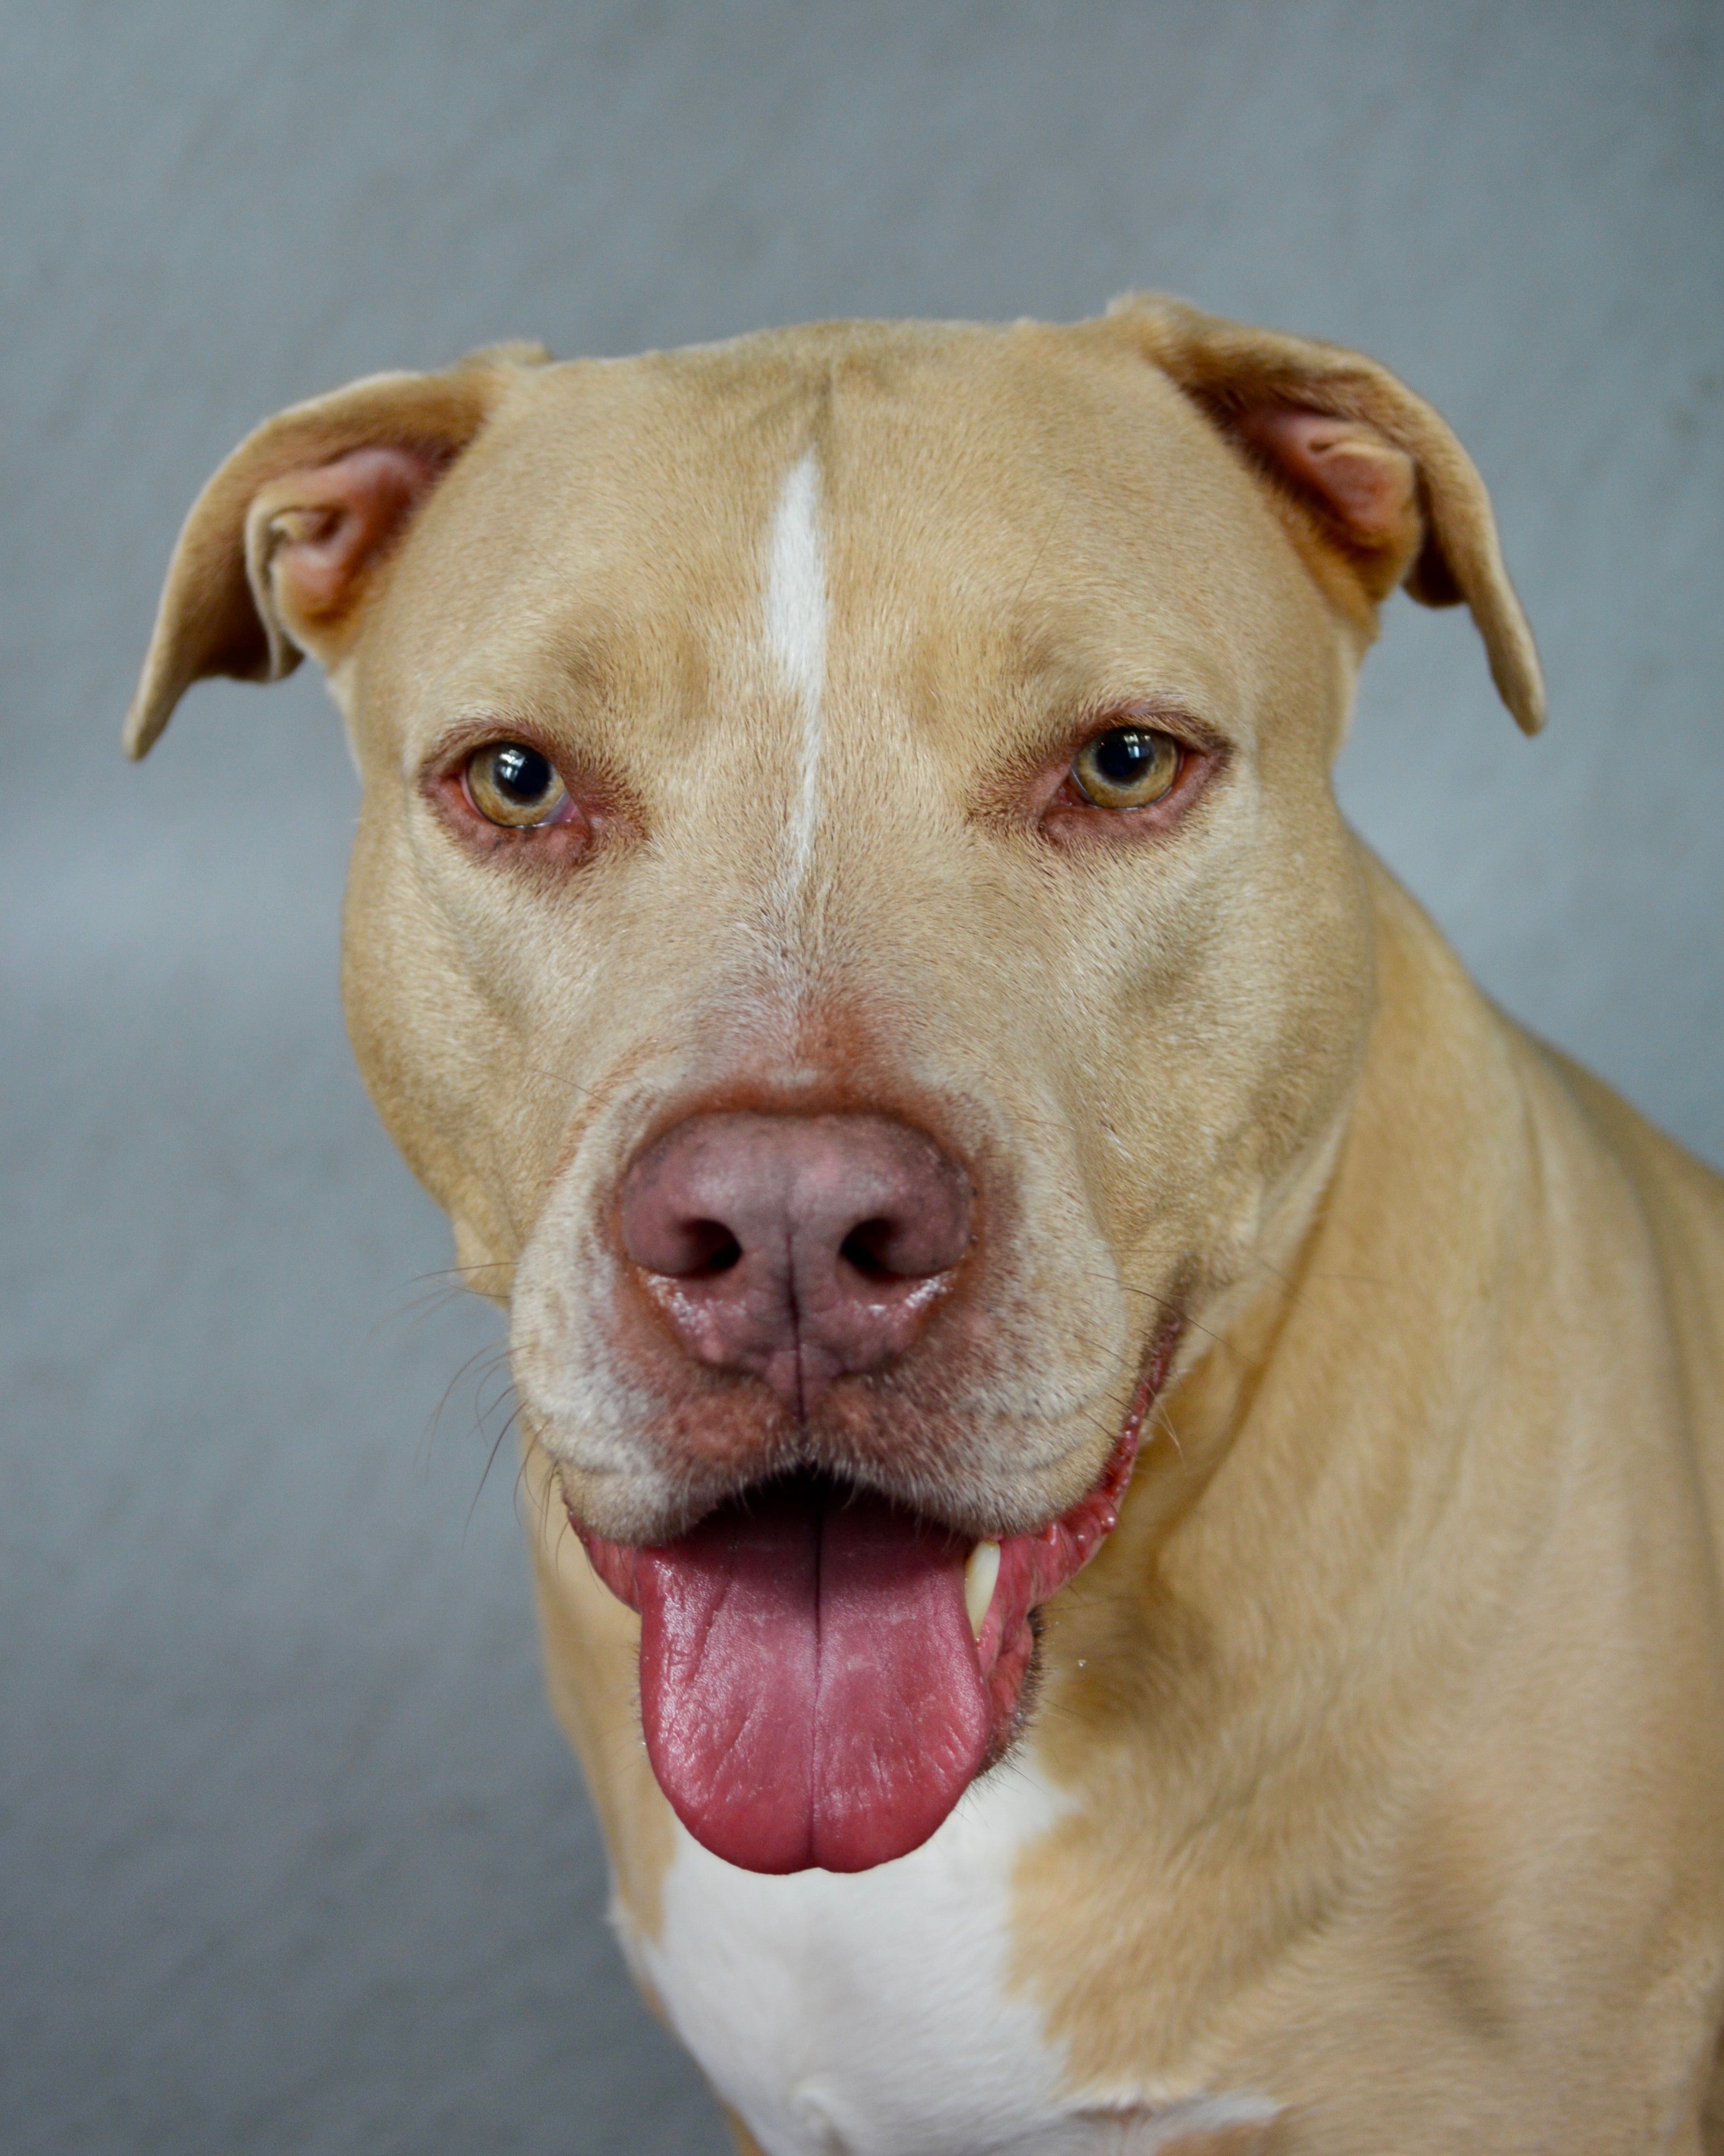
(796, 633)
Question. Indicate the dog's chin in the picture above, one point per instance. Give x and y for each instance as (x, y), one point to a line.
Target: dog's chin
(824, 1671)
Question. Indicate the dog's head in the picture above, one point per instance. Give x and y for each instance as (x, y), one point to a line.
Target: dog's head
(850, 917)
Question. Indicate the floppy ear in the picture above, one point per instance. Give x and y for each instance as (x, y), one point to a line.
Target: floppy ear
(1375, 490)
(281, 548)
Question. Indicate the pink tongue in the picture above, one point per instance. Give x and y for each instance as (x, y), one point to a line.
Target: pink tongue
(808, 1682)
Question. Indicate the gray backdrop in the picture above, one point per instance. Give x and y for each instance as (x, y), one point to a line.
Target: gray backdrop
(293, 1859)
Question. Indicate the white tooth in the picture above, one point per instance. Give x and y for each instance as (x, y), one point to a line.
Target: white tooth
(982, 1568)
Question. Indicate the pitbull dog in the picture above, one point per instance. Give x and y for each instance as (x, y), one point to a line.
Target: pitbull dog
(1128, 1479)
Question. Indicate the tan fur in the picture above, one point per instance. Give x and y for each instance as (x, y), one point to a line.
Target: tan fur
(1393, 1714)
(745, 2143)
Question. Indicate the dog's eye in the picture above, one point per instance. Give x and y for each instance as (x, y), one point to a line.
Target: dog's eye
(510, 783)
(1127, 767)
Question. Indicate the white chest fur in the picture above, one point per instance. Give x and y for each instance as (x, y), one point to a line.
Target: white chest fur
(868, 2015)
(864, 2015)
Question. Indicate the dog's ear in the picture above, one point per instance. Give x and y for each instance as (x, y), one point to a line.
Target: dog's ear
(1374, 487)
(283, 545)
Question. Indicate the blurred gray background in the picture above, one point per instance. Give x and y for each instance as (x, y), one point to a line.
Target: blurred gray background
(290, 1857)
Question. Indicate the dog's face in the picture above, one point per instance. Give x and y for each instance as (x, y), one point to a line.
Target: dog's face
(850, 917)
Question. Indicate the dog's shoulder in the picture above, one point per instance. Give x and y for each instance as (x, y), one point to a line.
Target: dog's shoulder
(1678, 1203)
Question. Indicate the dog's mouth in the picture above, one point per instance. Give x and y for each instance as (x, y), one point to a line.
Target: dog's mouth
(823, 1673)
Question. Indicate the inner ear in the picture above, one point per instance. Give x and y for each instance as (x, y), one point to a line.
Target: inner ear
(312, 535)
(1363, 487)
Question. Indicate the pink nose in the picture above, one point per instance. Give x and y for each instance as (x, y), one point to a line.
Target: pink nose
(803, 1248)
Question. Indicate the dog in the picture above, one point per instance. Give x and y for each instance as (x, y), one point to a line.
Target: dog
(1126, 1479)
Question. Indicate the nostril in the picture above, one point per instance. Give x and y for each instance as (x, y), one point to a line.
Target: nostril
(885, 1251)
(709, 1249)
(867, 1250)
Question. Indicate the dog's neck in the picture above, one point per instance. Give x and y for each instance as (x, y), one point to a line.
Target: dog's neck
(1280, 1371)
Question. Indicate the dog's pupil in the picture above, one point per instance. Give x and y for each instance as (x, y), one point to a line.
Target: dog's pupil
(522, 773)
(1120, 756)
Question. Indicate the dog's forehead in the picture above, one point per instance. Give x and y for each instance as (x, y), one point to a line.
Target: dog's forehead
(967, 501)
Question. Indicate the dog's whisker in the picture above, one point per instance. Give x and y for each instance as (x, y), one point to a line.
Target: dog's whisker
(497, 1444)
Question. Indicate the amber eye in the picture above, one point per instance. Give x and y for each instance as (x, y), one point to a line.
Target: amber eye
(510, 783)
(1127, 767)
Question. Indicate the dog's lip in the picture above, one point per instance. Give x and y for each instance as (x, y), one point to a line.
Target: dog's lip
(1033, 1565)
(1080, 1529)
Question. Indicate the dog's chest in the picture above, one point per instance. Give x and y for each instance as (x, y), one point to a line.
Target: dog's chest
(868, 2015)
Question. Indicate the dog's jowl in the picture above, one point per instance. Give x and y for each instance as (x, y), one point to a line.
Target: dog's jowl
(1126, 1479)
